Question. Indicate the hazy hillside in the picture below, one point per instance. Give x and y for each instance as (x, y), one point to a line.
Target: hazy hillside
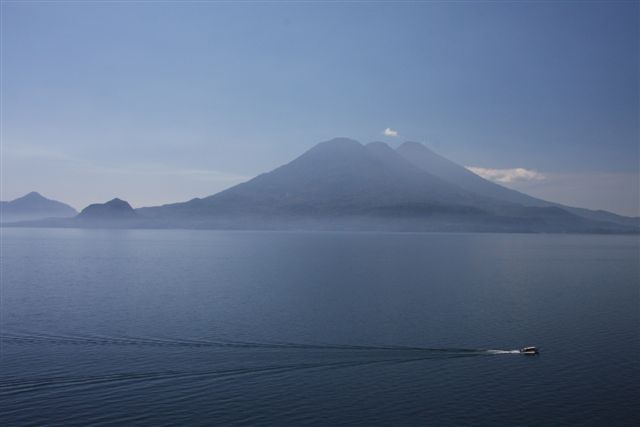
(34, 206)
(343, 185)
(114, 209)
(425, 159)
(346, 185)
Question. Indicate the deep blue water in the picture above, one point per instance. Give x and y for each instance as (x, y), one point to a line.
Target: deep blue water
(113, 327)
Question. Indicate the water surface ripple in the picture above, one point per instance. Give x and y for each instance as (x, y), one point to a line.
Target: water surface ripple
(117, 327)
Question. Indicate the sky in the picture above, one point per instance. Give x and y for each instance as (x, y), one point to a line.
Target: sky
(158, 102)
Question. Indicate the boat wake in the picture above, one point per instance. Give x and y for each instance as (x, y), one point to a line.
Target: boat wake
(12, 386)
(35, 339)
(350, 356)
(503, 351)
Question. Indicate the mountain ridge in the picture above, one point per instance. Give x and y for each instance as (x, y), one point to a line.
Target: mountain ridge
(421, 156)
(341, 184)
(34, 206)
(114, 209)
(342, 180)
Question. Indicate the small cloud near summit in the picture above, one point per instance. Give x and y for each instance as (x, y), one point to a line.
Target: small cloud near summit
(506, 176)
(390, 132)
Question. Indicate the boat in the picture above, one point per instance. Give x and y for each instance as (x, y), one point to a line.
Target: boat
(529, 350)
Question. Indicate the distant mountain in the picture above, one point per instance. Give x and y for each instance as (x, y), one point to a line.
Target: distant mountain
(337, 178)
(34, 206)
(420, 156)
(113, 210)
(341, 184)
(423, 158)
(115, 213)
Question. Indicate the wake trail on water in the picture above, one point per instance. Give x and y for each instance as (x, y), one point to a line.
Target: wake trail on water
(360, 355)
(16, 386)
(35, 339)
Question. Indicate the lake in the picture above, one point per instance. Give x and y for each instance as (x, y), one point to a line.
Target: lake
(113, 327)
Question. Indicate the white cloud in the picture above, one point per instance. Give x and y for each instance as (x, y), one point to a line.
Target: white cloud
(390, 132)
(506, 176)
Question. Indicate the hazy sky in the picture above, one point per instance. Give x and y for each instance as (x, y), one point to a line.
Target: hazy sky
(158, 102)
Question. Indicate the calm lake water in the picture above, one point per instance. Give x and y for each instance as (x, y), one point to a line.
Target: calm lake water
(113, 327)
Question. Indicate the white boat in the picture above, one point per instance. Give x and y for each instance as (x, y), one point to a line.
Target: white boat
(529, 350)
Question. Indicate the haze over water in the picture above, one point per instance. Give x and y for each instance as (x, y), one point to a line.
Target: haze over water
(176, 327)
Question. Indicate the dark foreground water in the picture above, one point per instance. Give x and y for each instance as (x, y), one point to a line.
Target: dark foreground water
(204, 327)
